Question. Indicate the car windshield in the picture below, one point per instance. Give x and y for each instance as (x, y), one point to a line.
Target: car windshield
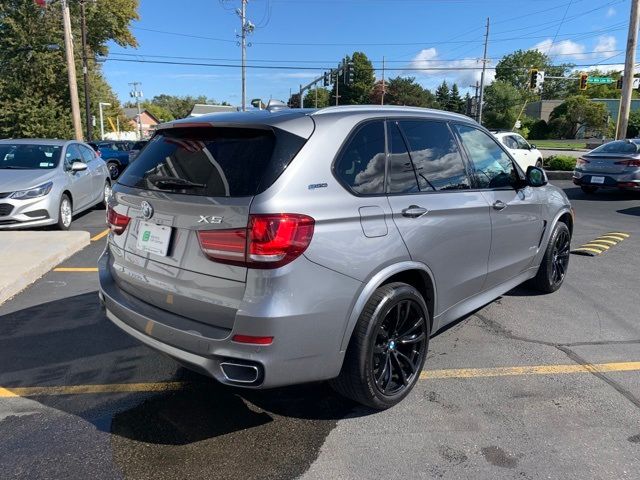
(22, 156)
(620, 146)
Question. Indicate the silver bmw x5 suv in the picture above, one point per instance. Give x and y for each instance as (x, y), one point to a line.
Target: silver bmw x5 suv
(274, 248)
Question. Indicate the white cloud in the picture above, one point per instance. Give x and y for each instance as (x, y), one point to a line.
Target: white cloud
(611, 12)
(565, 48)
(464, 72)
(606, 44)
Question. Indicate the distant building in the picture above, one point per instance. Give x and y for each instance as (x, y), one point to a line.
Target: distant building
(148, 121)
(200, 109)
(541, 110)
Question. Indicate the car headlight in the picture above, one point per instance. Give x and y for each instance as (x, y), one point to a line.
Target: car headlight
(39, 191)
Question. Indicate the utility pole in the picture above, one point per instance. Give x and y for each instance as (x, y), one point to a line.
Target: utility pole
(627, 79)
(246, 28)
(85, 71)
(71, 70)
(383, 85)
(137, 94)
(301, 97)
(484, 67)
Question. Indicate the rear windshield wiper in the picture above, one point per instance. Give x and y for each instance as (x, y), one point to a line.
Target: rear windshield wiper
(174, 183)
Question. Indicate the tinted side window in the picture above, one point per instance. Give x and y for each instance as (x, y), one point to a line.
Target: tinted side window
(435, 156)
(522, 143)
(402, 175)
(509, 142)
(493, 167)
(362, 162)
(72, 155)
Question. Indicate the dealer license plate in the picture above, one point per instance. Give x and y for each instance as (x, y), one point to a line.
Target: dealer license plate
(153, 238)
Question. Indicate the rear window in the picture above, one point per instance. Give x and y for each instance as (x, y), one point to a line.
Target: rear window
(620, 146)
(216, 162)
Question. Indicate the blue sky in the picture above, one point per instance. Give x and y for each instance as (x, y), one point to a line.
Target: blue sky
(312, 35)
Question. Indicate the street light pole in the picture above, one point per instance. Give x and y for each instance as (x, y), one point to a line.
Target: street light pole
(85, 71)
(102, 104)
(71, 70)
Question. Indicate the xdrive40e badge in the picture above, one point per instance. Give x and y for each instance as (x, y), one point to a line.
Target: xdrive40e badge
(147, 210)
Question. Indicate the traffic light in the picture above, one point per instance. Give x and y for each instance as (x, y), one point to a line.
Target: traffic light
(583, 81)
(533, 79)
(350, 73)
(325, 80)
(619, 84)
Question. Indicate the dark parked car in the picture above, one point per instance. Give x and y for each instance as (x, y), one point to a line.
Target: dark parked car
(612, 165)
(116, 154)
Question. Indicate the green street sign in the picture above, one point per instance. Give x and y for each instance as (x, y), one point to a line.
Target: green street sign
(600, 80)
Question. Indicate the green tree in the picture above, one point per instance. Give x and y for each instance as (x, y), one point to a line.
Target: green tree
(358, 92)
(443, 96)
(515, 69)
(324, 98)
(502, 104)
(403, 91)
(456, 102)
(158, 111)
(34, 94)
(179, 106)
(575, 113)
(633, 128)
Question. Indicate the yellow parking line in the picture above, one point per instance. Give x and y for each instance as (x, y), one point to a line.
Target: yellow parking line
(622, 234)
(97, 237)
(612, 237)
(8, 392)
(608, 242)
(88, 389)
(530, 370)
(75, 269)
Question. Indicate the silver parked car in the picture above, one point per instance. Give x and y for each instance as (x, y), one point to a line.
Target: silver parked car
(274, 248)
(612, 165)
(46, 182)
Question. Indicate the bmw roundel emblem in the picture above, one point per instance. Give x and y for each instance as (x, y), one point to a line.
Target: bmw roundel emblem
(147, 210)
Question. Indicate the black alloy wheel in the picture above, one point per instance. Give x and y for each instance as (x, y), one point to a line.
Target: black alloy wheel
(398, 348)
(560, 259)
(555, 262)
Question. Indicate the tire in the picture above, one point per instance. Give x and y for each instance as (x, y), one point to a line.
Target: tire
(555, 263)
(588, 189)
(372, 352)
(65, 213)
(539, 163)
(106, 193)
(114, 170)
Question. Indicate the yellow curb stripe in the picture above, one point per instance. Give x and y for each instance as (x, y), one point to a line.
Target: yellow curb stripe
(97, 237)
(532, 370)
(592, 250)
(91, 389)
(75, 269)
(596, 245)
(608, 242)
(622, 234)
(612, 237)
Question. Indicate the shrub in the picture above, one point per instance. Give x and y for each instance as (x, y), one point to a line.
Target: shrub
(565, 163)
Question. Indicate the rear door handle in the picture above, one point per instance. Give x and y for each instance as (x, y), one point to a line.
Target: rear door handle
(499, 205)
(414, 211)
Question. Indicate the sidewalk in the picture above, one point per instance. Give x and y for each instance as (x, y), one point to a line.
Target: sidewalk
(25, 256)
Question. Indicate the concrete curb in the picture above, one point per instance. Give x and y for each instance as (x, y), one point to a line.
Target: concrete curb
(26, 256)
(559, 175)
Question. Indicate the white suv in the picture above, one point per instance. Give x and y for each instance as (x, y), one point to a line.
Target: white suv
(522, 151)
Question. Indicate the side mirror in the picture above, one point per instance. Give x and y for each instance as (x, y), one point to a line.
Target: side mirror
(77, 166)
(536, 177)
(532, 147)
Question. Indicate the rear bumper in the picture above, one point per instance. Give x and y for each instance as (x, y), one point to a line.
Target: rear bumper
(306, 346)
(612, 180)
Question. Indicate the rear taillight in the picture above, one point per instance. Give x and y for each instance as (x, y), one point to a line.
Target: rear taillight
(117, 222)
(581, 162)
(629, 163)
(252, 340)
(269, 241)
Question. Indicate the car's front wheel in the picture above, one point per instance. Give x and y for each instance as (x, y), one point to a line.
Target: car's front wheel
(554, 265)
(106, 193)
(539, 163)
(114, 170)
(388, 347)
(65, 213)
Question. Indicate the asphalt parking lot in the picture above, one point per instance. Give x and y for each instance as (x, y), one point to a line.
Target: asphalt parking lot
(531, 386)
